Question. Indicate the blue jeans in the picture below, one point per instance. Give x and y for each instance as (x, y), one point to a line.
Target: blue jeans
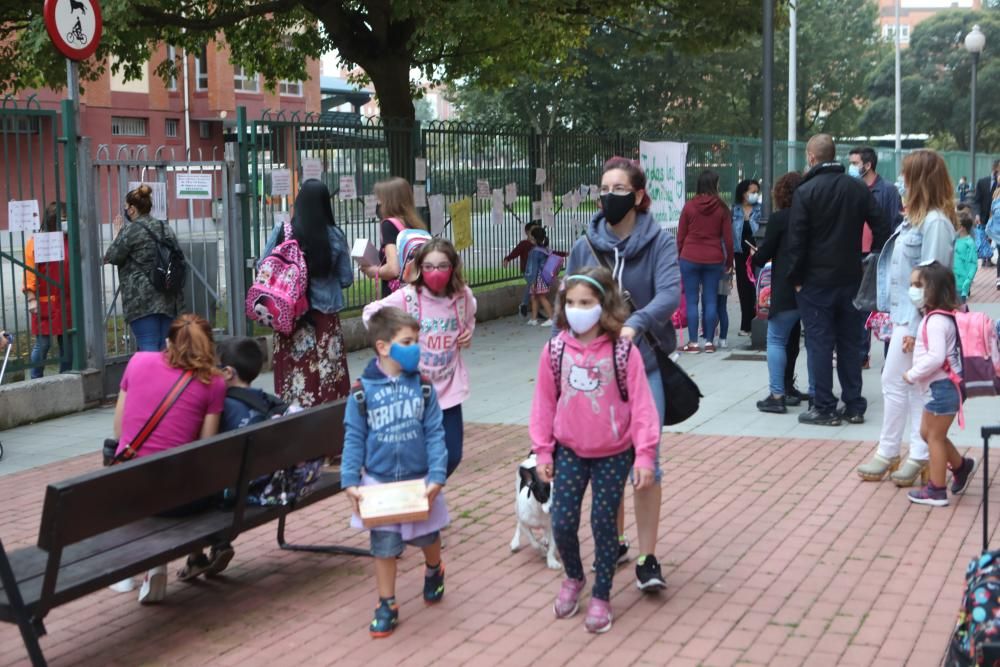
(721, 309)
(454, 435)
(40, 352)
(703, 279)
(151, 332)
(832, 322)
(779, 330)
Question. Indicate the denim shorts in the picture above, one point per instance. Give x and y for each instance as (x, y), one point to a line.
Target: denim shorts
(944, 398)
(389, 543)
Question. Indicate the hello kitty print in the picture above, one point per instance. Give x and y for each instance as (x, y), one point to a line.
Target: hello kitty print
(588, 375)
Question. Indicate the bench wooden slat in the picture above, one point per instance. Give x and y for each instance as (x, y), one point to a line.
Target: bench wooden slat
(308, 435)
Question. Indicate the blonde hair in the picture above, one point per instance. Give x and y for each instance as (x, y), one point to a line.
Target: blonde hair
(192, 347)
(928, 187)
(396, 197)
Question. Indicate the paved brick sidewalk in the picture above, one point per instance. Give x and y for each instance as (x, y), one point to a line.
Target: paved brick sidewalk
(774, 552)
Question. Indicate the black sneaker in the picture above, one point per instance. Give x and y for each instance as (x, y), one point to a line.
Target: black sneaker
(523, 309)
(960, 478)
(817, 418)
(623, 556)
(772, 403)
(647, 574)
(794, 398)
(434, 586)
(851, 417)
(385, 621)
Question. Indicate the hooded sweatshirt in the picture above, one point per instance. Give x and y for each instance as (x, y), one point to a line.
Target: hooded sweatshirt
(646, 265)
(590, 417)
(442, 320)
(705, 234)
(402, 437)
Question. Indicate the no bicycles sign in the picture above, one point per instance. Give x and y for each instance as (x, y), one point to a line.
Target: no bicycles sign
(74, 26)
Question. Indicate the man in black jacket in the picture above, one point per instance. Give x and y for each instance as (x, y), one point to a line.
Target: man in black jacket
(983, 200)
(829, 210)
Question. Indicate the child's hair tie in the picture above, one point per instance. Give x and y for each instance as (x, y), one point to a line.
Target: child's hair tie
(589, 280)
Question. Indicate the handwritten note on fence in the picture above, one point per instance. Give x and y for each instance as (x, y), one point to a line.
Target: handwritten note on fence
(665, 163)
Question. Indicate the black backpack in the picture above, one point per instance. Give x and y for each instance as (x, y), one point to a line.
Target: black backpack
(169, 270)
(266, 406)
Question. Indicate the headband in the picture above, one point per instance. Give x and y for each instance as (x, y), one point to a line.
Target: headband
(589, 280)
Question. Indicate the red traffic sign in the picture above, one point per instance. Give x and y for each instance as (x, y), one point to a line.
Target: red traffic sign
(74, 26)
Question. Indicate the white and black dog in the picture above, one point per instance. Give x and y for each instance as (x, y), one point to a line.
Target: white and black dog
(534, 499)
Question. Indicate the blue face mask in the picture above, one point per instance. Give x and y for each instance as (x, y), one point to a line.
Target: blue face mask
(854, 170)
(407, 356)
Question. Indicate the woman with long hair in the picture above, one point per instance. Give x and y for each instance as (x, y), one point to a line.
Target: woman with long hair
(927, 234)
(310, 364)
(188, 362)
(397, 212)
(704, 241)
(747, 210)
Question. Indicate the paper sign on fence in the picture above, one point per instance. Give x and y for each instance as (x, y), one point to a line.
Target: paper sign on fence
(419, 196)
(281, 217)
(665, 163)
(483, 189)
(364, 253)
(420, 169)
(595, 193)
(536, 210)
(312, 169)
(347, 189)
(539, 176)
(371, 204)
(461, 223)
(22, 216)
(49, 247)
(437, 213)
(497, 209)
(281, 182)
(510, 193)
(193, 186)
(159, 194)
(569, 202)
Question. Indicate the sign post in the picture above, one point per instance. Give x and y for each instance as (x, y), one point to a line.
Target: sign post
(75, 27)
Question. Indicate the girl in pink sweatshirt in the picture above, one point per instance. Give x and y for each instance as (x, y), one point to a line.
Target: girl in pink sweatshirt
(936, 351)
(443, 304)
(593, 415)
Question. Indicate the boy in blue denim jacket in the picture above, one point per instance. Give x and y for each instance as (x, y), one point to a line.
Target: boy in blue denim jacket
(393, 432)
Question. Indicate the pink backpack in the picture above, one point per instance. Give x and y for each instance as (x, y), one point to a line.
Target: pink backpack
(279, 294)
(397, 282)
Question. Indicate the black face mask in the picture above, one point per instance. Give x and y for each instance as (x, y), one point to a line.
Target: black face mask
(616, 207)
(127, 216)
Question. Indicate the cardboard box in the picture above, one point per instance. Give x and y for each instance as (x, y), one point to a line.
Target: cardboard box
(364, 253)
(394, 502)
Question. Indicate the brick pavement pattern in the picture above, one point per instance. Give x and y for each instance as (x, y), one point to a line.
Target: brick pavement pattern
(774, 552)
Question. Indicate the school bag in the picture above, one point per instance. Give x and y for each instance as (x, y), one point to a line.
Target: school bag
(623, 346)
(983, 248)
(407, 243)
(279, 294)
(551, 268)
(265, 405)
(764, 292)
(395, 283)
(169, 271)
(978, 351)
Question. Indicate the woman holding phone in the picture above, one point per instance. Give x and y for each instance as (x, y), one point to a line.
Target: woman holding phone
(746, 221)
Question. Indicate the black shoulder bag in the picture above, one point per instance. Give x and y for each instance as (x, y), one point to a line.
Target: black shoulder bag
(681, 394)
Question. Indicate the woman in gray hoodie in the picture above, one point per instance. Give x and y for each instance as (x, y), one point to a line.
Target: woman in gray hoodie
(643, 260)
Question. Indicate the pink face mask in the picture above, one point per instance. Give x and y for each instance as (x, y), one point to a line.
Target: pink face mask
(436, 279)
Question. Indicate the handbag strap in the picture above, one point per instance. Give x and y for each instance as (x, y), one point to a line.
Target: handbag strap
(154, 420)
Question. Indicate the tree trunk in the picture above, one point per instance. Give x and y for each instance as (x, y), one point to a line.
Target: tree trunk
(391, 79)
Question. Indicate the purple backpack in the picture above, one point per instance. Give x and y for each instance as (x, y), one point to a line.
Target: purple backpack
(551, 268)
(279, 294)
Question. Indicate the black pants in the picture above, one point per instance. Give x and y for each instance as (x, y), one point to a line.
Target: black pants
(792, 354)
(747, 292)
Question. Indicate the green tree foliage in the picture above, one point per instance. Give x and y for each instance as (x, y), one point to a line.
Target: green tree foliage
(936, 81)
(631, 77)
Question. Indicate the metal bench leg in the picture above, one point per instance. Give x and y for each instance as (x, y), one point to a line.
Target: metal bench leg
(30, 629)
(316, 548)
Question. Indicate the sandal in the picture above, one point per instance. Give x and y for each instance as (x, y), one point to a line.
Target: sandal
(219, 558)
(196, 565)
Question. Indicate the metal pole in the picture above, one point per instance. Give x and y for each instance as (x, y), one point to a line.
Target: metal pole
(73, 88)
(972, 123)
(899, 103)
(767, 143)
(793, 115)
(72, 211)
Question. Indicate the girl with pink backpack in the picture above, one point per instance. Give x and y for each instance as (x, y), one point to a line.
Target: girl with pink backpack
(397, 213)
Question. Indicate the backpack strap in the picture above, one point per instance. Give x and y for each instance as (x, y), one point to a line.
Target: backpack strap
(557, 346)
(252, 399)
(411, 297)
(954, 377)
(358, 391)
(426, 389)
(623, 348)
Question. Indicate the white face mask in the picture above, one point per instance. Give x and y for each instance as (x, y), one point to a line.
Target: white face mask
(916, 296)
(753, 198)
(582, 320)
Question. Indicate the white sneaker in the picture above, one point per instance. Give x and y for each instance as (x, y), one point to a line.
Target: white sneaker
(154, 585)
(532, 323)
(123, 586)
(724, 344)
(546, 323)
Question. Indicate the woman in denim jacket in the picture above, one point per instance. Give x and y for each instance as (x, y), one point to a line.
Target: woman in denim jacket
(310, 365)
(746, 221)
(927, 234)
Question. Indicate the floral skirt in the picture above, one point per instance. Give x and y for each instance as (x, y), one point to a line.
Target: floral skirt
(539, 286)
(310, 365)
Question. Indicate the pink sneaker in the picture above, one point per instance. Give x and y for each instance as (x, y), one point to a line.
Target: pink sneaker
(598, 618)
(567, 602)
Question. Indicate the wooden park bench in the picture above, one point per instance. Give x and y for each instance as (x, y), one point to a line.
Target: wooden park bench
(102, 527)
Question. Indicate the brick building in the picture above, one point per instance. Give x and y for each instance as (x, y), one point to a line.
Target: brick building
(912, 12)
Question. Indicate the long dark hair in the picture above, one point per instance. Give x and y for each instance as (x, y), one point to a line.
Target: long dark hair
(741, 190)
(313, 217)
(940, 292)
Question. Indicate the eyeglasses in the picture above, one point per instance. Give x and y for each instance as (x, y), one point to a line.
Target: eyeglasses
(435, 267)
(616, 190)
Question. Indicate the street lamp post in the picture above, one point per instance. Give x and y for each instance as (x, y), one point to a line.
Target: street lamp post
(974, 43)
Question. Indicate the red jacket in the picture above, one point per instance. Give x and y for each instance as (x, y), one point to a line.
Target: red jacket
(705, 235)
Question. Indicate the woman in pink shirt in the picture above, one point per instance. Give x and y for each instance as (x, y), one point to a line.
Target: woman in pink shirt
(443, 304)
(149, 377)
(593, 415)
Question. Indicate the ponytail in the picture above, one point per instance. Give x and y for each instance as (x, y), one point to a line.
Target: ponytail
(192, 347)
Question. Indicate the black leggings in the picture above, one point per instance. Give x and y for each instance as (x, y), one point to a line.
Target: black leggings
(747, 292)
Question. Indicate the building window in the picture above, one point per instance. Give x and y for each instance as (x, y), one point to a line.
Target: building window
(19, 125)
(248, 83)
(201, 70)
(204, 129)
(290, 88)
(889, 32)
(122, 126)
(170, 127)
(172, 57)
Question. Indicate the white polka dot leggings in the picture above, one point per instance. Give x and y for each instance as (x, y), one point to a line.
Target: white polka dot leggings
(607, 481)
